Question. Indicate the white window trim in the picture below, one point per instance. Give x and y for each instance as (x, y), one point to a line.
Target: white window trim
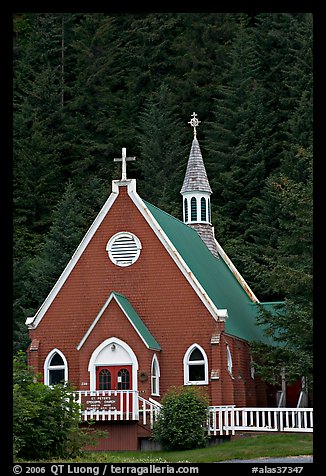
(157, 376)
(48, 367)
(229, 360)
(194, 362)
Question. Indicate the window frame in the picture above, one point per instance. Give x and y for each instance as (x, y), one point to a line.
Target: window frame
(48, 367)
(187, 363)
(155, 365)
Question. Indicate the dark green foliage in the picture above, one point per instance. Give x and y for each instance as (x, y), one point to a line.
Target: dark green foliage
(163, 159)
(45, 419)
(287, 269)
(182, 419)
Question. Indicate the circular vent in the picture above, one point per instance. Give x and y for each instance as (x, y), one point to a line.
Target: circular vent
(123, 248)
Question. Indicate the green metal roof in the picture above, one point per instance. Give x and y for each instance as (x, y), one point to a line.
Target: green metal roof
(139, 325)
(214, 276)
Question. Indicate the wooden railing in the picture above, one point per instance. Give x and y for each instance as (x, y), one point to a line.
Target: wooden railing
(148, 411)
(225, 420)
(108, 405)
(102, 405)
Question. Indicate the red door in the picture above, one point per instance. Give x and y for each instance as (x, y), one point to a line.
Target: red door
(116, 377)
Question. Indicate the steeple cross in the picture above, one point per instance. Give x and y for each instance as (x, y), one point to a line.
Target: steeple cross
(194, 123)
(124, 159)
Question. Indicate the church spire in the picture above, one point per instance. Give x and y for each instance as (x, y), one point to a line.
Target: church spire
(196, 193)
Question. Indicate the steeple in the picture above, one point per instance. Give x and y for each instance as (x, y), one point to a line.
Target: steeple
(196, 193)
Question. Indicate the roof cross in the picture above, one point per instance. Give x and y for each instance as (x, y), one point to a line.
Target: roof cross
(194, 123)
(124, 159)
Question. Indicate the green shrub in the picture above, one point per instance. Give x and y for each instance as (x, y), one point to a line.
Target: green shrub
(45, 419)
(182, 419)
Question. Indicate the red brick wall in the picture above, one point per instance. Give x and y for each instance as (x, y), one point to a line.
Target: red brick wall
(162, 298)
(116, 436)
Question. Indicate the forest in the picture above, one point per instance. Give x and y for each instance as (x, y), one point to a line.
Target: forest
(87, 84)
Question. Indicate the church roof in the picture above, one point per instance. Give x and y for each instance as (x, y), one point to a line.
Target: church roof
(214, 275)
(196, 177)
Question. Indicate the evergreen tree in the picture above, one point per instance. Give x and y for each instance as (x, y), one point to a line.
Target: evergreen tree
(287, 270)
(41, 271)
(163, 158)
(36, 126)
(235, 140)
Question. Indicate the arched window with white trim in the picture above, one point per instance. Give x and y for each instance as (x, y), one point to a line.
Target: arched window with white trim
(55, 368)
(155, 376)
(195, 366)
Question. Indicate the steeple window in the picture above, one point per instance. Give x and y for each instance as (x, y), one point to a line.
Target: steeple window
(203, 215)
(193, 205)
(186, 209)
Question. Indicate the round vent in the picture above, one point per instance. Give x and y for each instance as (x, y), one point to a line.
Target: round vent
(123, 248)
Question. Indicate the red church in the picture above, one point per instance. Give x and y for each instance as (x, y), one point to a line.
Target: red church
(145, 303)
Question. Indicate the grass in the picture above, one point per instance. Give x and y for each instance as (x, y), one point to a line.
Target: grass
(256, 446)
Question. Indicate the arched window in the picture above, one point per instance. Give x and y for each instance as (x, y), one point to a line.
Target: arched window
(55, 368)
(186, 209)
(203, 209)
(195, 364)
(155, 376)
(123, 379)
(193, 205)
(104, 378)
(209, 210)
(229, 357)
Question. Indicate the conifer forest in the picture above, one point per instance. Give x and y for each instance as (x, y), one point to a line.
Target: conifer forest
(88, 84)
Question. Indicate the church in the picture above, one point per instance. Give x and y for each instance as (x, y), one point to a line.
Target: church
(147, 302)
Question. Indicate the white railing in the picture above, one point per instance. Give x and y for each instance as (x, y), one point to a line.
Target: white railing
(108, 405)
(148, 411)
(102, 405)
(225, 420)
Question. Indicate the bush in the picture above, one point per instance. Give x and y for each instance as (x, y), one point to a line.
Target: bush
(45, 419)
(182, 419)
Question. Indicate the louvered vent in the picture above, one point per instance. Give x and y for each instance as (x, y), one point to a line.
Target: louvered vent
(123, 248)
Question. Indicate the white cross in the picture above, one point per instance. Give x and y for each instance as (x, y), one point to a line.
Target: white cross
(124, 159)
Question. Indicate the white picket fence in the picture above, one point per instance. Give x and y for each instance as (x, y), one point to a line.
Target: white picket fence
(226, 420)
(108, 405)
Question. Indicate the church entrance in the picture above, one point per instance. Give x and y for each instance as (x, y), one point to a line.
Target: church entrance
(113, 369)
(114, 377)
